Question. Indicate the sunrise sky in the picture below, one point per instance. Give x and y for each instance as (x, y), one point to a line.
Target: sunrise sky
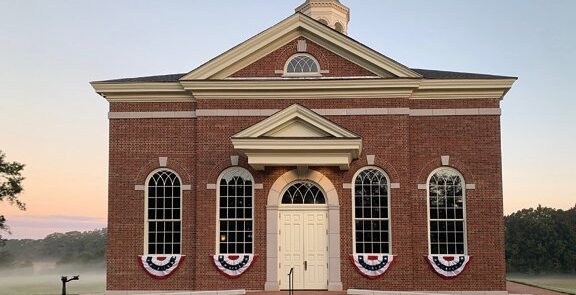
(54, 122)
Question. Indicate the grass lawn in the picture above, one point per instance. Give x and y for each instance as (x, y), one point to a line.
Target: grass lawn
(45, 284)
(562, 283)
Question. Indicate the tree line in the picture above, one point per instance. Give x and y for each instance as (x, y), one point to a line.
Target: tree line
(541, 240)
(538, 240)
(73, 247)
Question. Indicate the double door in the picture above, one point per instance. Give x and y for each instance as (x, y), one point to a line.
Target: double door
(303, 247)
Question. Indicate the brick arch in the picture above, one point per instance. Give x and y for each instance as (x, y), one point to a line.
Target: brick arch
(290, 49)
(220, 165)
(387, 167)
(424, 173)
(272, 234)
(176, 165)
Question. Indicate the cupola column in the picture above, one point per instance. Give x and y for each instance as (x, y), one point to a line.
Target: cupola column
(329, 12)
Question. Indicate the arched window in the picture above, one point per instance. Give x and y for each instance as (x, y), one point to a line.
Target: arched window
(447, 216)
(371, 212)
(303, 192)
(323, 21)
(302, 65)
(163, 213)
(339, 27)
(235, 212)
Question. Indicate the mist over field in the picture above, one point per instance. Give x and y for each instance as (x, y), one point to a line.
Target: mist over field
(540, 251)
(34, 267)
(43, 278)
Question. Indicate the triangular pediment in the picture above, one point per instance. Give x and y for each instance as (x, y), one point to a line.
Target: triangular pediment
(297, 136)
(291, 28)
(295, 121)
(297, 128)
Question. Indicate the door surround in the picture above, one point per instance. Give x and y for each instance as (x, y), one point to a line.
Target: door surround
(274, 198)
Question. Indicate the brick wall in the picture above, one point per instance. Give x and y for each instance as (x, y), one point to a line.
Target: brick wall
(407, 148)
(276, 60)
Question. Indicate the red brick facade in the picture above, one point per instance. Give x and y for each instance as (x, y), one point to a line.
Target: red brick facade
(407, 148)
(276, 60)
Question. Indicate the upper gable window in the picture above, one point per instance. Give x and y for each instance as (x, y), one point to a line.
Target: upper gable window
(302, 65)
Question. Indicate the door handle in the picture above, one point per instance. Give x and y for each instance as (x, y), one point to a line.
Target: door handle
(305, 265)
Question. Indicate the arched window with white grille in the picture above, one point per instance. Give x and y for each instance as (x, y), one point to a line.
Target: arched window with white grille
(303, 192)
(302, 64)
(371, 204)
(163, 213)
(447, 212)
(235, 212)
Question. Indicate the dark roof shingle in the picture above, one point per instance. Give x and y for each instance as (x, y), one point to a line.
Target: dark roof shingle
(427, 74)
(435, 74)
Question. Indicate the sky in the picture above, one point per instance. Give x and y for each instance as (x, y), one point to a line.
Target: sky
(52, 120)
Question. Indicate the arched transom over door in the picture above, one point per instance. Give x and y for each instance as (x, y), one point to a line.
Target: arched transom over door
(303, 191)
(303, 231)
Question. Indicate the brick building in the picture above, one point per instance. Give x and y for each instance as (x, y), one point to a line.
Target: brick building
(302, 149)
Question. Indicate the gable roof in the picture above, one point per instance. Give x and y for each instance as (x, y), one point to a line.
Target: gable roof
(426, 74)
(288, 29)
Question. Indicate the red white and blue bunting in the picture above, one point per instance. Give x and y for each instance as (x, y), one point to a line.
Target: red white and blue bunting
(233, 266)
(372, 266)
(160, 266)
(448, 267)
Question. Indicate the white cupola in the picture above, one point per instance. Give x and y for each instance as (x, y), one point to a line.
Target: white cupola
(329, 12)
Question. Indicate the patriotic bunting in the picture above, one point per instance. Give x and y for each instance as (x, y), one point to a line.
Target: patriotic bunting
(233, 266)
(372, 266)
(448, 267)
(160, 266)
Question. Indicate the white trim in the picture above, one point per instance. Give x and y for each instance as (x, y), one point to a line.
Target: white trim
(373, 292)
(464, 223)
(210, 186)
(346, 185)
(370, 159)
(238, 171)
(470, 186)
(422, 186)
(234, 160)
(139, 187)
(146, 207)
(322, 112)
(163, 161)
(272, 206)
(220, 292)
(456, 112)
(301, 74)
(395, 185)
(445, 160)
(152, 115)
(291, 28)
(302, 46)
(186, 187)
(258, 186)
(389, 219)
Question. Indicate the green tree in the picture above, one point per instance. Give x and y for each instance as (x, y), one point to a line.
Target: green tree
(541, 240)
(10, 186)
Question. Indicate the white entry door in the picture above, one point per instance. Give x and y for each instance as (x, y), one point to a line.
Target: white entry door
(303, 246)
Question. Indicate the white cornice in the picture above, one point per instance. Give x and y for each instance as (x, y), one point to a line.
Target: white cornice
(433, 84)
(310, 89)
(462, 88)
(323, 112)
(143, 92)
(136, 87)
(304, 89)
